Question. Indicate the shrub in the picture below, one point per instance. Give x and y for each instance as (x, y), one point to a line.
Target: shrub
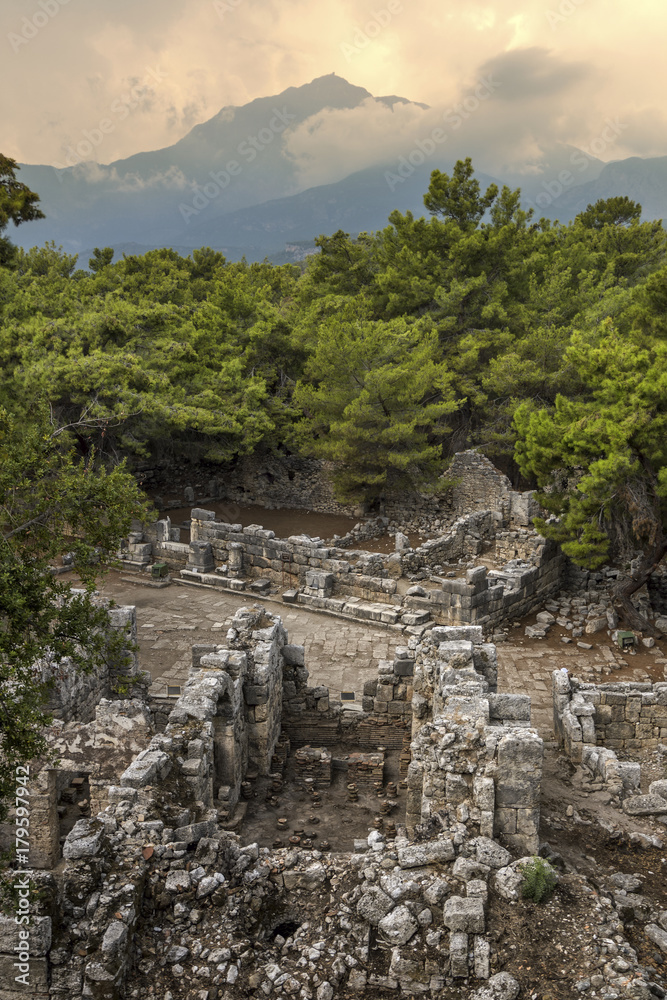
(539, 880)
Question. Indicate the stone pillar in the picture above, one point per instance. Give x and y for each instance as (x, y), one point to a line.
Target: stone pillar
(518, 784)
(235, 560)
(200, 557)
(44, 822)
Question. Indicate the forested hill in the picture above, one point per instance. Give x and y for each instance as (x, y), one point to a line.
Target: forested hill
(389, 352)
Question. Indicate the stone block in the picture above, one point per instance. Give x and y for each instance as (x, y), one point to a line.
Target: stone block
(482, 953)
(398, 926)
(84, 840)
(463, 914)
(513, 707)
(458, 955)
(418, 855)
(256, 694)
(40, 934)
(38, 973)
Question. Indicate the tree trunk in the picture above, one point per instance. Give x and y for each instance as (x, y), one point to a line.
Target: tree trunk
(626, 588)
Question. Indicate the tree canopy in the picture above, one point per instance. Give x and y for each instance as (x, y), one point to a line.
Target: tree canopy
(50, 501)
(385, 353)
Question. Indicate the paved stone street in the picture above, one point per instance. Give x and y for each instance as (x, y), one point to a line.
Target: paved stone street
(339, 654)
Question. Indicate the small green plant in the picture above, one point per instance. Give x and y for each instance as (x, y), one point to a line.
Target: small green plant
(539, 880)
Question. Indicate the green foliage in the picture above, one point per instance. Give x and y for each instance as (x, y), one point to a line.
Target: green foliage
(458, 197)
(160, 356)
(609, 444)
(50, 501)
(618, 211)
(100, 259)
(17, 204)
(539, 880)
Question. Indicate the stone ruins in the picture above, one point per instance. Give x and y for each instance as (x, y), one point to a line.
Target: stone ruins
(256, 838)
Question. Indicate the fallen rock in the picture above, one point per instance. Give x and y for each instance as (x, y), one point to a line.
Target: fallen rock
(398, 926)
(502, 986)
(645, 805)
(506, 883)
(490, 853)
(418, 855)
(466, 915)
(657, 936)
(374, 905)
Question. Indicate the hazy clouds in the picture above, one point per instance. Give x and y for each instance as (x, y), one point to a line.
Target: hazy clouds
(151, 69)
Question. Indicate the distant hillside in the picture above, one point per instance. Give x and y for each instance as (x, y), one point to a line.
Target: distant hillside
(150, 199)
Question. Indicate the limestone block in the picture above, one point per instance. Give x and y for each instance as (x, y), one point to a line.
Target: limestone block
(645, 805)
(502, 986)
(469, 869)
(458, 955)
(490, 852)
(38, 972)
(587, 729)
(514, 707)
(482, 953)
(418, 855)
(310, 878)
(199, 514)
(256, 694)
(462, 914)
(657, 936)
(193, 832)
(200, 557)
(506, 882)
(594, 625)
(373, 905)
(398, 926)
(84, 840)
(40, 935)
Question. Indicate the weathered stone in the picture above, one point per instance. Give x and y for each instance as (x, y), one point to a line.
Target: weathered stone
(418, 855)
(462, 914)
(398, 926)
(645, 805)
(490, 852)
(83, 841)
(657, 936)
(502, 986)
(374, 905)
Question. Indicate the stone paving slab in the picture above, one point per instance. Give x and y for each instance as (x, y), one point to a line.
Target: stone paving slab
(339, 654)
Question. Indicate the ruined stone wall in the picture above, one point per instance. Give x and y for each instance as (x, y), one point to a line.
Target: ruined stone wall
(282, 481)
(491, 597)
(76, 694)
(592, 721)
(476, 765)
(344, 581)
(619, 716)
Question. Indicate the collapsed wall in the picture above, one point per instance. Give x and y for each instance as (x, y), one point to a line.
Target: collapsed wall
(75, 693)
(476, 765)
(593, 721)
(473, 775)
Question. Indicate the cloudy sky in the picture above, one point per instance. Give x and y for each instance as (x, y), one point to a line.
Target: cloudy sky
(563, 70)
